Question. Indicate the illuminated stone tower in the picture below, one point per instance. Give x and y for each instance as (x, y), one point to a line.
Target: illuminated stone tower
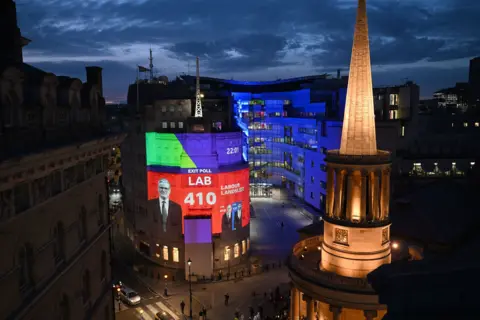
(357, 227)
(198, 95)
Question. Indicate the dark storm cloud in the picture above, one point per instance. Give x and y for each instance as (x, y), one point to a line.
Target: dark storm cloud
(261, 32)
(246, 52)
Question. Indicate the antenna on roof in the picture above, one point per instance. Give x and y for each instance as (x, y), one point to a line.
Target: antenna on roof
(151, 65)
(198, 95)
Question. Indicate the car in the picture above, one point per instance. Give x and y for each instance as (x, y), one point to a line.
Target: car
(162, 315)
(129, 296)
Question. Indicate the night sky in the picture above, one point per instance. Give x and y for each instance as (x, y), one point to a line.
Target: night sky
(427, 41)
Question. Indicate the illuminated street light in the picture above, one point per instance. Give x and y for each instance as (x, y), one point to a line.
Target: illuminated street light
(202, 95)
(189, 262)
(395, 245)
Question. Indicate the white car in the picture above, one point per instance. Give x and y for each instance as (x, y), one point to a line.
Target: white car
(129, 296)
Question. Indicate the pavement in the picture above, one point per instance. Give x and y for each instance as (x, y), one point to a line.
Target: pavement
(270, 243)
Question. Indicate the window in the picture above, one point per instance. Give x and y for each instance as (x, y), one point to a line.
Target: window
(172, 108)
(465, 124)
(244, 247)
(311, 195)
(323, 167)
(312, 164)
(59, 243)
(341, 236)
(180, 125)
(64, 308)
(25, 262)
(403, 131)
(164, 125)
(172, 124)
(165, 253)
(103, 266)
(236, 250)
(477, 124)
(248, 243)
(176, 257)
(101, 210)
(82, 228)
(226, 253)
(324, 150)
(164, 108)
(86, 287)
(323, 184)
(394, 99)
(312, 179)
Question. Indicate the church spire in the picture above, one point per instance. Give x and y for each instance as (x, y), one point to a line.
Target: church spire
(358, 132)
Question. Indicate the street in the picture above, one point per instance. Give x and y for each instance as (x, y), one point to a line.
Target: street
(269, 241)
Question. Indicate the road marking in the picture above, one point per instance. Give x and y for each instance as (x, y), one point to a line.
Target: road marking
(164, 308)
(143, 315)
(152, 309)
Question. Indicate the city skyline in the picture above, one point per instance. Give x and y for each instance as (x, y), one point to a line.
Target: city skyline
(418, 40)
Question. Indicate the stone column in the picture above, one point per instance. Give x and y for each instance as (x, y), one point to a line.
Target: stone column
(339, 193)
(295, 304)
(336, 311)
(310, 308)
(354, 194)
(364, 207)
(374, 195)
(370, 314)
(385, 194)
(330, 190)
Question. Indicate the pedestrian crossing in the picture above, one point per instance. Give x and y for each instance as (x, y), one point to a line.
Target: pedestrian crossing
(148, 312)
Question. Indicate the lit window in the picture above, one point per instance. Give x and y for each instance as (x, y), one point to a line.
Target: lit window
(403, 131)
(165, 253)
(453, 124)
(226, 253)
(248, 243)
(477, 124)
(172, 124)
(394, 99)
(236, 250)
(175, 255)
(157, 255)
(465, 124)
(180, 125)
(244, 246)
(164, 125)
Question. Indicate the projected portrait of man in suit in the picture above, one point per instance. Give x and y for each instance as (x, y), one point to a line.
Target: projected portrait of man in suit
(165, 211)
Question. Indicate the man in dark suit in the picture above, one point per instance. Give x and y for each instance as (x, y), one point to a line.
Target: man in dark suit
(227, 219)
(165, 211)
(237, 219)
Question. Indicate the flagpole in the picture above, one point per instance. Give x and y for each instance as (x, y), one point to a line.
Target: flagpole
(138, 90)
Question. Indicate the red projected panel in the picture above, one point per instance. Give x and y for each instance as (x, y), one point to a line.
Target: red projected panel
(223, 196)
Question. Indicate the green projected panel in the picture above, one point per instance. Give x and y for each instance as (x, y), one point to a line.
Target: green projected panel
(164, 149)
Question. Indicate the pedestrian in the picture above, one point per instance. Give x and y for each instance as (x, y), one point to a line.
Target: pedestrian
(226, 299)
(252, 311)
(182, 306)
(204, 311)
(260, 311)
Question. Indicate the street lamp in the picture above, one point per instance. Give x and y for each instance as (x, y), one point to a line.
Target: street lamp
(166, 291)
(395, 245)
(189, 262)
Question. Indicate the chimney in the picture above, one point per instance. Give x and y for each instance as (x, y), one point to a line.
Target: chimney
(338, 73)
(94, 76)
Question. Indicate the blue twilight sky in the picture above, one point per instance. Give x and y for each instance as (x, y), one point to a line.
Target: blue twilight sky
(427, 41)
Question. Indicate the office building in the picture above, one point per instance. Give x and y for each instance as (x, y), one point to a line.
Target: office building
(54, 219)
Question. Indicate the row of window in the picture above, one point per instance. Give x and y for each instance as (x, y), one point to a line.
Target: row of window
(165, 253)
(173, 125)
(26, 255)
(245, 246)
(31, 193)
(417, 170)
